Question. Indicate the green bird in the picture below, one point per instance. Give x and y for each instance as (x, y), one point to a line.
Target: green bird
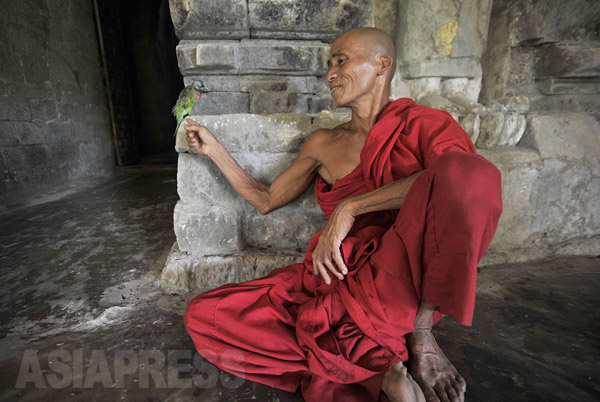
(186, 100)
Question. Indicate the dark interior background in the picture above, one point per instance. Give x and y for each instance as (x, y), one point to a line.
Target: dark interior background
(139, 43)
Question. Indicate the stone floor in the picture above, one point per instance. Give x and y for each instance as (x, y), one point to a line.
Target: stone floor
(83, 317)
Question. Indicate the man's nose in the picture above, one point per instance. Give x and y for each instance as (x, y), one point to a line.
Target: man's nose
(331, 74)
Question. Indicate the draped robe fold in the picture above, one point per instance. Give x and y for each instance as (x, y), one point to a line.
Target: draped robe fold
(290, 329)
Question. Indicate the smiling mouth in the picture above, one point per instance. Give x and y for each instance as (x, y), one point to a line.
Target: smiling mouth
(336, 87)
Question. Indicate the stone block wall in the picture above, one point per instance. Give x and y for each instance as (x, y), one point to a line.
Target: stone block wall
(261, 56)
(440, 46)
(54, 125)
(546, 51)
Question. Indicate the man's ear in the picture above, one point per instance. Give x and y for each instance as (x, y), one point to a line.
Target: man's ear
(385, 64)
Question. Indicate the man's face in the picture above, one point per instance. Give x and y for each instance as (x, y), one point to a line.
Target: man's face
(352, 71)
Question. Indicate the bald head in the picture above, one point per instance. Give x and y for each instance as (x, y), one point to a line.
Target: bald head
(375, 42)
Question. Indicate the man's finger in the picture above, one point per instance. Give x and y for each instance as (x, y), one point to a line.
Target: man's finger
(339, 260)
(332, 268)
(325, 275)
(191, 128)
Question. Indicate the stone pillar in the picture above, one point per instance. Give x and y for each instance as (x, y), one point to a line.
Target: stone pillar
(262, 56)
(440, 44)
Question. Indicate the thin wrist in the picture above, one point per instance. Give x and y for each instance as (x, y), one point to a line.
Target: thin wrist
(215, 151)
(350, 206)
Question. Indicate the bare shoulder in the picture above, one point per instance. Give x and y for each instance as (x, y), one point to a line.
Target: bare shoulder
(322, 139)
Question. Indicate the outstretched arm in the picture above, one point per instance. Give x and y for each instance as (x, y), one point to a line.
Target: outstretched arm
(265, 198)
(327, 257)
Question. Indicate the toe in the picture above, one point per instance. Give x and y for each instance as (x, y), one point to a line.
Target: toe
(430, 395)
(441, 393)
(452, 395)
(458, 388)
(462, 383)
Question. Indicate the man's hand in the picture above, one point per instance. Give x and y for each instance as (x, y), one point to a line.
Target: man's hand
(199, 138)
(327, 256)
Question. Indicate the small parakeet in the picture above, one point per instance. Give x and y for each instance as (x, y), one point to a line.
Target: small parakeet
(186, 100)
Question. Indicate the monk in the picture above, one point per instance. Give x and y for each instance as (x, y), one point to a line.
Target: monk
(410, 209)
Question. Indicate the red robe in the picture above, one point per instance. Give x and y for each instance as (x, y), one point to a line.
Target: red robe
(290, 329)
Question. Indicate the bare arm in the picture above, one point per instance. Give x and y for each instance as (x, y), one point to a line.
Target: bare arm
(286, 187)
(327, 255)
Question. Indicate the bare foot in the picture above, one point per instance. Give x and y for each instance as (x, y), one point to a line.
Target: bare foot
(432, 370)
(399, 386)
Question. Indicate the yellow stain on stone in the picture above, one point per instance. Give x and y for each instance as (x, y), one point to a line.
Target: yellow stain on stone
(443, 38)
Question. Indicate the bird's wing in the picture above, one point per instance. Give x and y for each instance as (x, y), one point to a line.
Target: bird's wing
(182, 99)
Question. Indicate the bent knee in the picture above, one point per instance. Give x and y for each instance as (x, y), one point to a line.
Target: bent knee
(469, 180)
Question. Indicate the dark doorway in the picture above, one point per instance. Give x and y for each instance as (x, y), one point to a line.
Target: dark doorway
(137, 43)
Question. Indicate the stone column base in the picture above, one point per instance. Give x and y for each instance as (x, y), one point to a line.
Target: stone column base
(184, 273)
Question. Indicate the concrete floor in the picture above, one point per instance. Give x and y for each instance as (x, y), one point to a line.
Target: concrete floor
(83, 317)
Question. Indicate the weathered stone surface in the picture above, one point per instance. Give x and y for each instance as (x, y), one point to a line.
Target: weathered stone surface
(418, 23)
(567, 60)
(421, 87)
(453, 86)
(256, 83)
(210, 19)
(441, 103)
(514, 128)
(525, 58)
(215, 103)
(200, 181)
(283, 57)
(546, 202)
(572, 20)
(520, 168)
(204, 229)
(286, 228)
(471, 124)
(564, 136)
(272, 102)
(253, 57)
(570, 86)
(215, 56)
(184, 272)
(385, 16)
(196, 57)
(430, 29)
(473, 23)
(54, 126)
(490, 132)
(274, 133)
(518, 104)
(441, 67)
(12, 109)
(263, 94)
(323, 19)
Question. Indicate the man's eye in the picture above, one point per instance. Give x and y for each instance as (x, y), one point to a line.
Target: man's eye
(341, 61)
